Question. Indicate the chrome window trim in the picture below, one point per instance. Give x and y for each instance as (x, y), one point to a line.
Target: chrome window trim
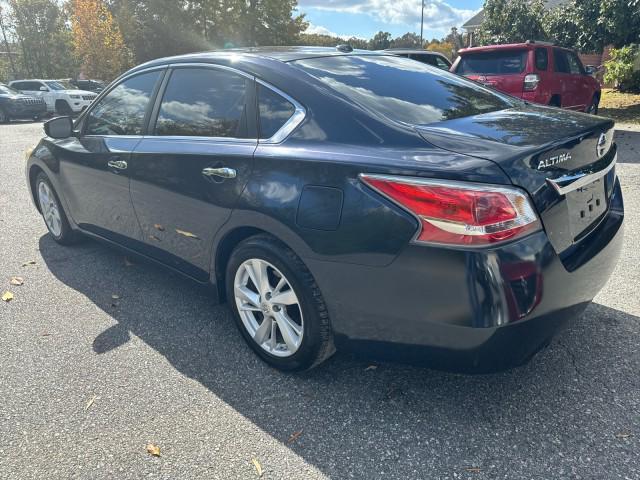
(298, 116)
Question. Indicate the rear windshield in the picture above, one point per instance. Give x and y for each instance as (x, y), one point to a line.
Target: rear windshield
(402, 89)
(504, 62)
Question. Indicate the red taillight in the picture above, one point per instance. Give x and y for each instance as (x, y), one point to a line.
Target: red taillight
(459, 213)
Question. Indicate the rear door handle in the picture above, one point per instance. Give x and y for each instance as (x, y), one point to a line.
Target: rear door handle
(222, 172)
(117, 164)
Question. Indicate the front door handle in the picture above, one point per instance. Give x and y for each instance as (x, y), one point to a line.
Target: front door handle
(222, 172)
(117, 164)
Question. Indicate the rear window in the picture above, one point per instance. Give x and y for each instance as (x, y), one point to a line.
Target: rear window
(503, 62)
(402, 89)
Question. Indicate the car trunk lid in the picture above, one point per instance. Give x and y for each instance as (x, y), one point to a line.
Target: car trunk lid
(562, 159)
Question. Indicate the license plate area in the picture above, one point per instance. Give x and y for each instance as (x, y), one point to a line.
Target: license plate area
(586, 205)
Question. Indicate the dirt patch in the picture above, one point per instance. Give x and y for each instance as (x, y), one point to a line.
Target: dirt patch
(622, 107)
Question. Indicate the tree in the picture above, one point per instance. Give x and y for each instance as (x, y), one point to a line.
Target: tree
(97, 40)
(408, 40)
(380, 41)
(44, 38)
(512, 21)
(443, 47)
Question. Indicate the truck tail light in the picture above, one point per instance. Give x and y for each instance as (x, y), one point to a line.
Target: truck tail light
(459, 213)
(531, 81)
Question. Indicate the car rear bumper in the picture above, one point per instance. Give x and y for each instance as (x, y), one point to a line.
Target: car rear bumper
(473, 310)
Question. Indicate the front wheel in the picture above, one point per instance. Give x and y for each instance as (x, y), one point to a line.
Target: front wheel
(593, 106)
(63, 108)
(277, 305)
(52, 212)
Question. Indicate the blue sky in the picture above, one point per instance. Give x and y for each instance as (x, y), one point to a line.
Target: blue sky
(363, 18)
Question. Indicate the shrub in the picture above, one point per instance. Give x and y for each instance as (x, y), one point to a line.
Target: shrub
(623, 69)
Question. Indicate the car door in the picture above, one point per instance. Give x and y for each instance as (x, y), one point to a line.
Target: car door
(580, 81)
(565, 79)
(188, 172)
(94, 165)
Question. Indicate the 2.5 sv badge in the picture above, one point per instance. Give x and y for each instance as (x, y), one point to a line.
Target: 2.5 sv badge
(555, 160)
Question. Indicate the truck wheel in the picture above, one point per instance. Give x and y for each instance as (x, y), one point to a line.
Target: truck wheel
(63, 108)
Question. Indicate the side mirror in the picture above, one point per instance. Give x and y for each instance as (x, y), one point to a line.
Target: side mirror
(44, 89)
(590, 70)
(59, 127)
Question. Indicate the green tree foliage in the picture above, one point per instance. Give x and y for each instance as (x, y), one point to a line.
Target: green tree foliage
(44, 37)
(512, 21)
(622, 69)
(380, 41)
(408, 40)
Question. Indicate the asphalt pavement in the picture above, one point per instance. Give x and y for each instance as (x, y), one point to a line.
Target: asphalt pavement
(101, 356)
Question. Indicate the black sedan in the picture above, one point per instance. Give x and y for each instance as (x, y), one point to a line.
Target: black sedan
(15, 105)
(345, 198)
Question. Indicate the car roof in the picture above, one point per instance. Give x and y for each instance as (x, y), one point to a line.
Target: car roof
(412, 50)
(509, 46)
(278, 54)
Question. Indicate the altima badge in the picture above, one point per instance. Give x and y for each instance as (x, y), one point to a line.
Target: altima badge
(555, 160)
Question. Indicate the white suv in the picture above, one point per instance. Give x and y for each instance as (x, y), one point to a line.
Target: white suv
(58, 98)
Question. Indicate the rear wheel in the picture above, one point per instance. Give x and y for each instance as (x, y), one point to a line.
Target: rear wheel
(52, 212)
(593, 106)
(277, 305)
(555, 102)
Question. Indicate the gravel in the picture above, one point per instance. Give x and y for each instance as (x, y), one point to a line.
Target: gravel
(87, 381)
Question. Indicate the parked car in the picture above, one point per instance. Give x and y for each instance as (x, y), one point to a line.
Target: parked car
(534, 71)
(425, 56)
(345, 199)
(59, 99)
(89, 85)
(14, 105)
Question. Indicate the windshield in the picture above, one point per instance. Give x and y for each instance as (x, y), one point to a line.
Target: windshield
(505, 62)
(55, 85)
(7, 90)
(403, 90)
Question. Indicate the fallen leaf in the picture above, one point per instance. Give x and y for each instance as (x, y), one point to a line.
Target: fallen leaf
(186, 234)
(89, 403)
(473, 469)
(294, 436)
(624, 435)
(158, 227)
(7, 296)
(153, 237)
(370, 367)
(30, 262)
(127, 262)
(46, 334)
(17, 281)
(153, 449)
(256, 464)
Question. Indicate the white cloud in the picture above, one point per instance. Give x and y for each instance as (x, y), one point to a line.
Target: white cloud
(438, 15)
(320, 30)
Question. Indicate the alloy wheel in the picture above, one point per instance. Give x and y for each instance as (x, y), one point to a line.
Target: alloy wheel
(269, 307)
(50, 209)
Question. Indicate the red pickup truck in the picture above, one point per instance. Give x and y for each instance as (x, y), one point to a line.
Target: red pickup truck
(534, 71)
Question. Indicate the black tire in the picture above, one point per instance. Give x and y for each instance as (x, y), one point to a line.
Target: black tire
(67, 235)
(593, 106)
(4, 118)
(555, 102)
(63, 108)
(317, 338)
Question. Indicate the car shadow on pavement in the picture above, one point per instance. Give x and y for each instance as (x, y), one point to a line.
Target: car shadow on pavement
(361, 416)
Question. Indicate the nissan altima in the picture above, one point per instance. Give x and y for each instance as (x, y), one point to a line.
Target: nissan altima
(340, 198)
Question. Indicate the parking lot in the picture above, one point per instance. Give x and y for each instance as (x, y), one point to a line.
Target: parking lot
(101, 355)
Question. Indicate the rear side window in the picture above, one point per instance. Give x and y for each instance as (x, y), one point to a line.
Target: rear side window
(501, 62)
(428, 59)
(542, 59)
(560, 63)
(402, 89)
(575, 66)
(122, 111)
(204, 102)
(275, 110)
